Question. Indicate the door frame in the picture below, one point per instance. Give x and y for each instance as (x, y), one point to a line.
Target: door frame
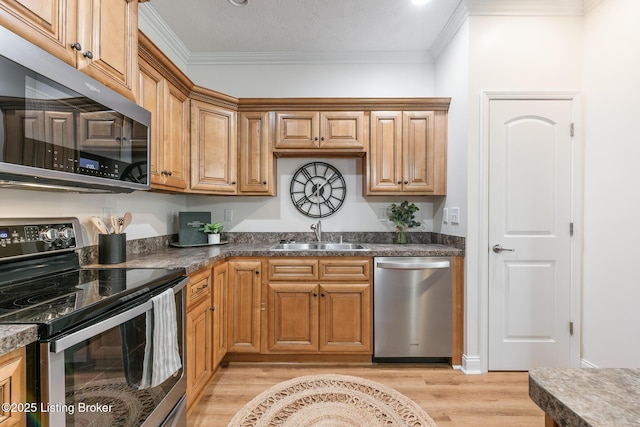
(483, 217)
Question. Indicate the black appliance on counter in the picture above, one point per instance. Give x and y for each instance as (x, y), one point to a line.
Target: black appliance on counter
(95, 330)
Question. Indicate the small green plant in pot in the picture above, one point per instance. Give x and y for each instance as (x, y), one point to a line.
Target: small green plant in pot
(403, 217)
(213, 230)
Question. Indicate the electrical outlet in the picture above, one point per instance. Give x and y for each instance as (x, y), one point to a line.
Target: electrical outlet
(228, 214)
(174, 216)
(455, 216)
(106, 213)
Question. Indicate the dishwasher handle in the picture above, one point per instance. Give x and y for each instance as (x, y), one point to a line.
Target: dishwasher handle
(399, 265)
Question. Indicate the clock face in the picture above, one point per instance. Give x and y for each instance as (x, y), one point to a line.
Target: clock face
(318, 189)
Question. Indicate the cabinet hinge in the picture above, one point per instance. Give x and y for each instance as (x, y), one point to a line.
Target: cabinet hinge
(570, 328)
(570, 229)
(572, 130)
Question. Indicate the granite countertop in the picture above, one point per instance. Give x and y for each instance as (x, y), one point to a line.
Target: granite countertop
(13, 337)
(587, 397)
(195, 258)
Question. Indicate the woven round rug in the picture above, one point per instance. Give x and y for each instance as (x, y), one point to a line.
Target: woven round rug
(331, 400)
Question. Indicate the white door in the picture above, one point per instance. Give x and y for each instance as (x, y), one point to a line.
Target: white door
(530, 172)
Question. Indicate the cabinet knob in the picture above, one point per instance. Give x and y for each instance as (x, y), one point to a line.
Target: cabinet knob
(264, 182)
(212, 308)
(406, 182)
(76, 46)
(315, 294)
(88, 54)
(233, 183)
(322, 294)
(315, 139)
(322, 138)
(399, 182)
(257, 272)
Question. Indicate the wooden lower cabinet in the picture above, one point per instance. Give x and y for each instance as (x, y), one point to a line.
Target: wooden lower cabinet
(220, 275)
(245, 305)
(326, 309)
(312, 317)
(12, 387)
(198, 330)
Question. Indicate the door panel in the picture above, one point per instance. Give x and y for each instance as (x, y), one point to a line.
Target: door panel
(530, 197)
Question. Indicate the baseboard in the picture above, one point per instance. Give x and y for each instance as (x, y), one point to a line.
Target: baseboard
(587, 364)
(471, 365)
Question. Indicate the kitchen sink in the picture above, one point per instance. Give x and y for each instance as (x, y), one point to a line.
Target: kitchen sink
(318, 246)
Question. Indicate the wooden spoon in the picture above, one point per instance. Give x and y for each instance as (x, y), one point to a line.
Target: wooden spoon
(126, 220)
(99, 224)
(115, 223)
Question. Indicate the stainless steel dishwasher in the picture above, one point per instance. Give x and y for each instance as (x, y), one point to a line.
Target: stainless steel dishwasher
(412, 309)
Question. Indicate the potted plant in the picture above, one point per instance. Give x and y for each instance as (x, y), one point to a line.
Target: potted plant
(213, 231)
(403, 217)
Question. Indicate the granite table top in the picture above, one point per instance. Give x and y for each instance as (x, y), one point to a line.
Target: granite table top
(195, 258)
(587, 397)
(13, 337)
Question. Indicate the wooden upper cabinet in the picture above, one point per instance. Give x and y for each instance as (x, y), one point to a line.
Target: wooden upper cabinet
(257, 173)
(169, 132)
(213, 149)
(98, 37)
(327, 130)
(407, 153)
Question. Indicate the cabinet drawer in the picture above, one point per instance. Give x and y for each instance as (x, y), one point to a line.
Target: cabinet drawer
(199, 285)
(293, 269)
(345, 269)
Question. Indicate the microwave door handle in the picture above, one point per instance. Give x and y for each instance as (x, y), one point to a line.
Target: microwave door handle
(67, 341)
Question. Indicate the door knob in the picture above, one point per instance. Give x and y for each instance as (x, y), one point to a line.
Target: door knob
(497, 249)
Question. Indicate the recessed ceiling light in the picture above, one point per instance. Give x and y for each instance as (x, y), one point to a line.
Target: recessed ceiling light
(239, 3)
(414, 1)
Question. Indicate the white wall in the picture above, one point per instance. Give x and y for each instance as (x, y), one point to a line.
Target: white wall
(452, 80)
(358, 213)
(317, 80)
(506, 54)
(152, 212)
(611, 290)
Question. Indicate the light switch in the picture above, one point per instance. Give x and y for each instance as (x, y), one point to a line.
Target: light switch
(455, 216)
(228, 214)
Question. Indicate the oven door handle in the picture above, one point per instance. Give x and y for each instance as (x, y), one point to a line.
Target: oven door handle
(65, 342)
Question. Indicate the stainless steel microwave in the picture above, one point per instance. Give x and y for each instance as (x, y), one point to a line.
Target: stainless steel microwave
(62, 130)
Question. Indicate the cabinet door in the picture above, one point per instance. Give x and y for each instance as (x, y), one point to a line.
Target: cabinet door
(244, 306)
(199, 361)
(343, 130)
(175, 131)
(50, 24)
(418, 151)
(13, 383)
(292, 317)
(385, 153)
(220, 296)
(345, 318)
(256, 165)
(213, 149)
(25, 127)
(298, 129)
(150, 97)
(108, 34)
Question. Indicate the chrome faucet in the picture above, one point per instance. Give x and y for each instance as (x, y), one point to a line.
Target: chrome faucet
(317, 228)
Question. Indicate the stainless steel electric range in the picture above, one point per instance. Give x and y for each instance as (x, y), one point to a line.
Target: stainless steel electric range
(110, 347)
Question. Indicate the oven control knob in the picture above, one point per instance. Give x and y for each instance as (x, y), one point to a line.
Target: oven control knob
(49, 234)
(67, 234)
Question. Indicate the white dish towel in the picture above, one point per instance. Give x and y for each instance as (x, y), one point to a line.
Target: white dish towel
(161, 355)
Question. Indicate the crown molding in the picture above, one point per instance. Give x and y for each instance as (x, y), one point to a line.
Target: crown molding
(149, 18)
(248, 58)
(526, 7)
(452, 26)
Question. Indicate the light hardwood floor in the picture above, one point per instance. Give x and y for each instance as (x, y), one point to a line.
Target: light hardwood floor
(450, 397)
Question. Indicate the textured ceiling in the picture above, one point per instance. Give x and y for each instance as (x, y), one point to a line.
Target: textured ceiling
(214, 31)
(305, 25)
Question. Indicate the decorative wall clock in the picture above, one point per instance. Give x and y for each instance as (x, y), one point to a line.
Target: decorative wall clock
(318, 189)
